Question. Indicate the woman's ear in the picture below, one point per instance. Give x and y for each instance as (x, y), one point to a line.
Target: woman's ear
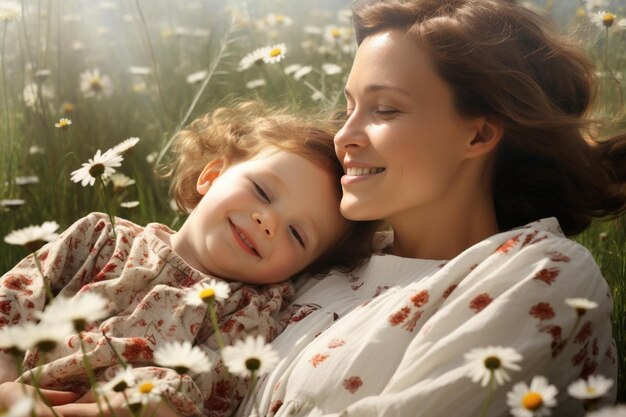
(210, 172)
(489, 131)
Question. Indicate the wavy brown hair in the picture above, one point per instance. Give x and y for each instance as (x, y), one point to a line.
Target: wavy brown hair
(240, 132)
(507, 62)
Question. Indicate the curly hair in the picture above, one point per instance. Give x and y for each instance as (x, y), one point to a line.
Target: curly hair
(505, 61)
(240, 132)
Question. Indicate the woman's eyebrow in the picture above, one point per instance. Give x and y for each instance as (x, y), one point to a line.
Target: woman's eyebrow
(372, 88)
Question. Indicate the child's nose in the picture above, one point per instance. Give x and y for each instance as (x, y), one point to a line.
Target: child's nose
(266, 222)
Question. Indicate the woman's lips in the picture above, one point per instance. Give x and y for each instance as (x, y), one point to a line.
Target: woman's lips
(244, 241)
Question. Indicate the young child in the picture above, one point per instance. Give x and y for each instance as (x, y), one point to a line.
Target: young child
(263, 188)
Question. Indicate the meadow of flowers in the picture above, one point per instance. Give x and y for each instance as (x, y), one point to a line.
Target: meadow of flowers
(93, 91)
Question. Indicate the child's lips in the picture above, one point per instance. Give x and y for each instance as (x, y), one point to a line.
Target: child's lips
(244, 240)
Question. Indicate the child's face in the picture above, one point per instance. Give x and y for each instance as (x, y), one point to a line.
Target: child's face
(262, 220)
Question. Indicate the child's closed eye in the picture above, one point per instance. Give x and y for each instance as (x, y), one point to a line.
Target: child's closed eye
(261, 192)
(297, 235)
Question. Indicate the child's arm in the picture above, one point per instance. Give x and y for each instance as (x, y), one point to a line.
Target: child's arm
(12, 392)
(87, 407)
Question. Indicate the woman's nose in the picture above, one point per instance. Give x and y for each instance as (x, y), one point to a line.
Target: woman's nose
(267, 222)
(351, 135)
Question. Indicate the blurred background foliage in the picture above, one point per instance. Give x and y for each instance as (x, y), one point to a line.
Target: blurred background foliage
(145, 68)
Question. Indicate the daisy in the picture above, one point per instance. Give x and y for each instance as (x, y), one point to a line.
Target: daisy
(67, 108)
(42, 74)
(10, 10)
(289, 69)
(31, 179)
(302, 72)
(259, 82)
(492, 360)
(34, 150)
(32, 235)
(278, 20)
(533, 401)
(331, 69)
(129, 204)
(312, 30)
(20, 408)
(250, 357)
(204, 293)
(94, 84)
(617, 411)
(63, 123)
(603, 19)
(275, 54)
(581, 305)
(255, 57)
(140, 70)
(152, 157)
(196, 77)
(182, 357)
(125, 145)
(122, 380)
(31, 94)
(78, 310)
(595, 386)
(146, 392)
(11, 203)
(102, 165)
(120, 181)
(11, 339)
(44, 336)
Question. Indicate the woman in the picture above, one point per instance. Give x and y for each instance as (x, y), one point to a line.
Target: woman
(466, 131)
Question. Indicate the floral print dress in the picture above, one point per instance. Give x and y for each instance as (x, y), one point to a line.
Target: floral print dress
(145, 284)
(390, 339)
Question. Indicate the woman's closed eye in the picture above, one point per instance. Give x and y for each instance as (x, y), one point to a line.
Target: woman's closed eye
(261, 192)
(385, 111)
(296, 234)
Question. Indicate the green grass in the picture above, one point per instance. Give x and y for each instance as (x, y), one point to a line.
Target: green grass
(174, 39)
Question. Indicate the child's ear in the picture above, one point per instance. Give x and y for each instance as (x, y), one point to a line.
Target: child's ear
(488, 133)
(211, 171)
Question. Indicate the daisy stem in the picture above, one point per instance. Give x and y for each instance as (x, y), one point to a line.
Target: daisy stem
(144, 26)
(5, 95)
(35, 379)
(289, 83)
(117, 355)
(216, 327)
(46, 284)
(103, 197)
(571, 334)
(111, 410)
(253, 390)
(490, 390)
(90, 374)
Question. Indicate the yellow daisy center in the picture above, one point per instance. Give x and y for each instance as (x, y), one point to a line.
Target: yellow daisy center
(146, 387)
(608, 19)
(280, 19)
(580, 12)
(532, 400)
(335, 33)
(275, 52)
(207, 293)
(95, 84)
(492, 363)
(591, 390)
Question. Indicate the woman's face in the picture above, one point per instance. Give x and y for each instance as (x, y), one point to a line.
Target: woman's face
(404, 145)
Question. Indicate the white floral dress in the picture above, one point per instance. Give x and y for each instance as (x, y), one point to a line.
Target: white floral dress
(145, 284)
(390, 339)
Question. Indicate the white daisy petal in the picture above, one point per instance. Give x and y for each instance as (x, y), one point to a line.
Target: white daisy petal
(534, 400)
(595, 386)
(46, 233)
(492, 360)
(206, 291)
(251, 355)
(77, 310)
(183, 358)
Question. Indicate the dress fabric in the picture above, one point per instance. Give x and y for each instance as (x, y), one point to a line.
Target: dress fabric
(145, 284)
(390, 339)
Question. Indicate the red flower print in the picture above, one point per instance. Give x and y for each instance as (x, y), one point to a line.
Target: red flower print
(137, 348)
(579, 357)
(352, 384)
(410, 325)
(595, 350)
(556, 332)
(18, 283)
(420, 298)
(556, 256)
(275, 406)
(547, 275)
(589, 368)
(529, 237)
(506, 246)
(99, 226)
(542, 311)
(335, 343)
(449, 290)
(5, 307)
(102, 274)
(480, 301)
(318, 358)
(43, 256)
(399, 316)
(355, 287)
(583, 334)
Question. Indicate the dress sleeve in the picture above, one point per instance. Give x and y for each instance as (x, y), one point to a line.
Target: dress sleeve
(71, 257)
(514, 298)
